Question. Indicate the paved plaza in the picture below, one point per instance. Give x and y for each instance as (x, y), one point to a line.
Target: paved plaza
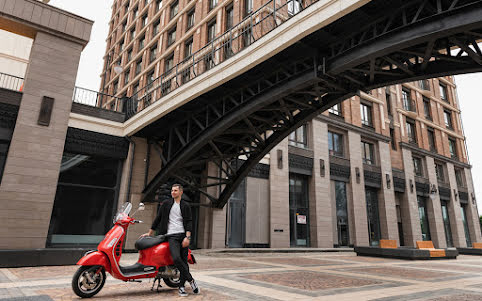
(274, 276)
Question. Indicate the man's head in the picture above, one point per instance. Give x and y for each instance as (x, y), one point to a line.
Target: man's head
(176, 191)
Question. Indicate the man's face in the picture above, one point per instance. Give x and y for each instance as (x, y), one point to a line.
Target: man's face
(176, 192)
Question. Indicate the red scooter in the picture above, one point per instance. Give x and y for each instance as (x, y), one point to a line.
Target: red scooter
(155, 260)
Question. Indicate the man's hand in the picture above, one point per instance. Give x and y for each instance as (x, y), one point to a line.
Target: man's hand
(144, 235)
(150, 233)
(185, 242)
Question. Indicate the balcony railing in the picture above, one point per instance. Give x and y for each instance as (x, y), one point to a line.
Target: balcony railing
(11, 82)
(253, 27)
(96, 99)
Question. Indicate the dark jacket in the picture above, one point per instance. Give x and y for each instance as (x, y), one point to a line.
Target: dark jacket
(162, 217)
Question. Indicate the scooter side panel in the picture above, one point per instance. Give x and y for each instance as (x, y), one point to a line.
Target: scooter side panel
(96, 258)
(156, 256)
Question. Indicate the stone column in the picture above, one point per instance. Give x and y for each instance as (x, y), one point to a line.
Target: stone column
(32, 168)
(456, 225)
(387, 209)
(434, 210)
(472, 213)
(321, 215)
(409, 207)
(357, 202)
(279, 187)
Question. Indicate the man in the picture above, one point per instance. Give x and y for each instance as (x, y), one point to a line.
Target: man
(175, 221)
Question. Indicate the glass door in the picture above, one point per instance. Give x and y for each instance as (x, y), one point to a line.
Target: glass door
(422, 213)
(373, 217)
(299, 211)
(446, 219)
(466, 226)
(341, 214)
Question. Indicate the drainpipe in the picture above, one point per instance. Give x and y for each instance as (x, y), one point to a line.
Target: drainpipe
(133, 144)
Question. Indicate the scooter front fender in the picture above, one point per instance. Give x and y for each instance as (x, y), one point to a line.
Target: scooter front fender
(95, 258)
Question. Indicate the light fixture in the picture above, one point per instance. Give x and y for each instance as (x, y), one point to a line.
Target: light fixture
(118, 69)
(472, 194)
(433, 191)
(455, 194)
(388, 180)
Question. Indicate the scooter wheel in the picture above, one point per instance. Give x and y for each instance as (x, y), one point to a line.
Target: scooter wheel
(172, 282)
(87, 281)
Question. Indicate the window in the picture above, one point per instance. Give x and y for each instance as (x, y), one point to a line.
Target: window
(158, 5)
(141, 42)
(124, 26)
(126, 77)
(136, 88)
(129, 55)
(448, 119)
(460, 177)
(422, 213)
(453, 148)
(188, 48)
(144, 20)
(248, 7)
(392, 139)
(368, 153)
(150, 78)
(427, 108)
(388, 97)
(408, 104)
(424, 84)
(211, 30)
(298, 137)
(294, 7)
(169, 63)
(135, 12)
(341, 213)
(335, 144)
(246, 37)
(138, 67)
(411, 134)
(126, 7)
(229, 16)
(115, 88)
(366, 114)
(133, 33)
(443, 92)
(190, 19)
(121, 46)
(212, 4)
(171, 36)
(153, 54)
(336, 110)
(156, 27)
(431, 139)
(174, 9)
(417, 166)
(439, 172)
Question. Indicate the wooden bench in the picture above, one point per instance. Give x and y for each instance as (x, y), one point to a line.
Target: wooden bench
(388, 243)
(428, 245)
(477, 245)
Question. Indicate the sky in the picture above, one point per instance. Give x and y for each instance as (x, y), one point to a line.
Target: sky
(469, 87)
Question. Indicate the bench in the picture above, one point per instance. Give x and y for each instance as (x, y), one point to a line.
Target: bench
(428, 245)
(475, 250)
(388, 243)
(477, 245)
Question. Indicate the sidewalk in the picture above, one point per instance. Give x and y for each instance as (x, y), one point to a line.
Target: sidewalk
(274, 276)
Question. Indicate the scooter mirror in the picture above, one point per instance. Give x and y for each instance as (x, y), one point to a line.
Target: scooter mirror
(141, 207)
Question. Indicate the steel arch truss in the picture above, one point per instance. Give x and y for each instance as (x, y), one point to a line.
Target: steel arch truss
(433, 38)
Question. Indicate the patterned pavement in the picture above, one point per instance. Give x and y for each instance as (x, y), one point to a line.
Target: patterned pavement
(276, 276)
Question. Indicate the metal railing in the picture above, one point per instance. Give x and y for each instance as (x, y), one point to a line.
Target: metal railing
(254, 26)
(97, 99)
(11, 82)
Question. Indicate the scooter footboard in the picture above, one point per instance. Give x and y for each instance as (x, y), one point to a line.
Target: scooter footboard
(95, 258)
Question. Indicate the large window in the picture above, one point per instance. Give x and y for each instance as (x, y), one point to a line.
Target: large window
(368, 153)
(173, 9)
(411, 133)
(190, 18)
(294, 6)
(446, 220)
(373, 216)
(335, 144)
(422, 213)
(171, 36)
(188, 48)
(341, 213)
(169, 63)
(211, 30)
(427, 109)
(229, 16)
(388, 97)
(463, 209)
(460, 177)
(153, 54)
(85, 200)
(248, 7)
(407, 100)
(453, 148)
(417, 166)
(440, 172)
(212, 4)
(431, 139)
(443, 93)
(366, 115)
(336, 110)
(299, 211)
(424, 84)
(298, 137)
(448, 119)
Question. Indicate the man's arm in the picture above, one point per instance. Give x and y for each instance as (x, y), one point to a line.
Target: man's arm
(155, 223)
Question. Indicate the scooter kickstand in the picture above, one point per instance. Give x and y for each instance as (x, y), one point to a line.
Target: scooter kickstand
(158, 284)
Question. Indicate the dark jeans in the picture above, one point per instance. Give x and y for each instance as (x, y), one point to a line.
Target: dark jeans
(179, 256)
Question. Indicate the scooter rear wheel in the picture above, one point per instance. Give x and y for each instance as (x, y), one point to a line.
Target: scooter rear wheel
(87, 282)
(172, 282)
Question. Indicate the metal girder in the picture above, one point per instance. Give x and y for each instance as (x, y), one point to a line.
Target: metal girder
(417, 41)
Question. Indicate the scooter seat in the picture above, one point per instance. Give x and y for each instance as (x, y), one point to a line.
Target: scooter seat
(148, 241)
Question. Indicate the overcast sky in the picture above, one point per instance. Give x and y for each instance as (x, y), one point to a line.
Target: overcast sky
(91, 63)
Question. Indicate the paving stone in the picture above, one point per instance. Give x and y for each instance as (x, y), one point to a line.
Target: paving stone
(45, 272)
(404, 273)
(299, 261)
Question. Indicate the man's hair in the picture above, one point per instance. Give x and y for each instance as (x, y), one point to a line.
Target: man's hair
(178, 186)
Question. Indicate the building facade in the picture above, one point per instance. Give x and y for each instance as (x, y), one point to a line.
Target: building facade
(388, 164)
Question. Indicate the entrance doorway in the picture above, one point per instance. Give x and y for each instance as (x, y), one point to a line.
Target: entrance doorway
(373, 217)
(341, 214)
(446, 219)
(466, 225)
(299, 211)
(237, 217)
(422, 213)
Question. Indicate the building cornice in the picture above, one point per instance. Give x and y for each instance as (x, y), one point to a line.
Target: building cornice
(424, 152)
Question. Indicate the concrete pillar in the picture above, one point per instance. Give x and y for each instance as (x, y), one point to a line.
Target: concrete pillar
(357, 202)
(434, 210)
(456, 225)
(472, 213)
(409, 206)
(279, 196)
(32, 168)
(387, 209)
(321, 215)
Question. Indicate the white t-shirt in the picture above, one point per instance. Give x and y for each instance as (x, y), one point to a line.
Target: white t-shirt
(175, 224)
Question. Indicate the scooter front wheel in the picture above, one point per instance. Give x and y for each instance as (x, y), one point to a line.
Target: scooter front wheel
(88, 281)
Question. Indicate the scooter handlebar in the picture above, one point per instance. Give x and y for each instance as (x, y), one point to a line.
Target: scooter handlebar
(137, 221)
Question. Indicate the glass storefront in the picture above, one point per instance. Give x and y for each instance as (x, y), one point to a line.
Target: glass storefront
(422, 213)
(341, 214)
(373, 217)
(85, 201)
(299, 212)
(446, 219)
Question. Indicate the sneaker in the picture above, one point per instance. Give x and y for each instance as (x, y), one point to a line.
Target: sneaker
(182, 292)
(195, 288)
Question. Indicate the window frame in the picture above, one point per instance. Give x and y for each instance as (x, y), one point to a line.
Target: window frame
(337, 150)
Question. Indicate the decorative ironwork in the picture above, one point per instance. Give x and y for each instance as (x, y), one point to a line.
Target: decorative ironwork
(11, 82)
(399, 184)
(444, 192)
(422, 188)
(300, 164)
(97, 99)
(340, 171)
(372, 178)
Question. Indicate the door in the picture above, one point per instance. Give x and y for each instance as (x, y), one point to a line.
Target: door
(373, 217)
(400, 225)
(341, 214)
(299, 211)
(446, 219)
(466, 225)
(422, 213)
(237, 217)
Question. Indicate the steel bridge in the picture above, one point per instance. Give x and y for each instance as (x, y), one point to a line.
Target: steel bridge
(236, 124)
